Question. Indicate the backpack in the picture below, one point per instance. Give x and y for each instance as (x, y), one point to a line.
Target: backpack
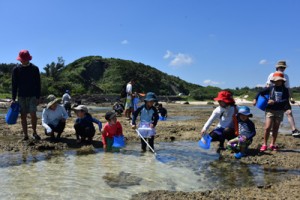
(123, 93)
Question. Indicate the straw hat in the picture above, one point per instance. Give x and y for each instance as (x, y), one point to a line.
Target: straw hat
(225, 96)
(281, 63)
(277, 76)
(54, 101)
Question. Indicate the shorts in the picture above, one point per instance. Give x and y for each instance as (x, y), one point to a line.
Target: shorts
(128, 104)
(27, 104)
(288, 106)
(275, 114)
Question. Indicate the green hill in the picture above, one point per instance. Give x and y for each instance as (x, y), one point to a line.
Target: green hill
(94, 74)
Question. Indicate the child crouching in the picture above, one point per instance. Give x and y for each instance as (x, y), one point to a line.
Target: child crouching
(148, 120)
(246, 133)
(112, 128)
(84, 124)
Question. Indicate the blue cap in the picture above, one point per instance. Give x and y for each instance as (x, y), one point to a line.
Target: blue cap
(245, 110)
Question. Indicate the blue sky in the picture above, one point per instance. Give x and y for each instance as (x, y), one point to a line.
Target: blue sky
(224, 43)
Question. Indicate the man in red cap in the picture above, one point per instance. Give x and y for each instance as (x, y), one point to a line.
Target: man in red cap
(26, 84)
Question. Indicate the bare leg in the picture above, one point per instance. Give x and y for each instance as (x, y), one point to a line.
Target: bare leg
(33, 121)
(291, 120)
(276, 125)
(268, 124)
(24, 124)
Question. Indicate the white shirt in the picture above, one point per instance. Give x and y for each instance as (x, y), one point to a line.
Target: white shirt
(223, 114)
(129, 90)
(66, 98)
(53, 117)
(287, 82)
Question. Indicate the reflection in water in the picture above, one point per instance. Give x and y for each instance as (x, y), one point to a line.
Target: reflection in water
(93, 174)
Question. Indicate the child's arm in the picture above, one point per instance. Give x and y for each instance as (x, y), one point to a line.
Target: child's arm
(135, 115)
(251, 126)
(104, 138)
(94, 120)
(155, 117)
(215, 114)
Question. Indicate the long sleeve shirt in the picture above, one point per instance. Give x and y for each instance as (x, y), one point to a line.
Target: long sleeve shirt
(280, 95)
(87, 121)
(247, 128)
(53, 117)
(224, 115)
(111, 130)
(26, 81)
(149, 115)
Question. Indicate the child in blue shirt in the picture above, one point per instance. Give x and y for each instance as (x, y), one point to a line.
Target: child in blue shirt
(148, 120)
(246, 133)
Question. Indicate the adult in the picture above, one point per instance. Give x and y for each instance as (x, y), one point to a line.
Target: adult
(129, 98)
(66, 100)
(280, 67)
(26, 84)
(54, 117)
(224, 113)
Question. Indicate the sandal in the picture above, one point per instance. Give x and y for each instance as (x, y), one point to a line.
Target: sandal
(263, 148)
(273, 147)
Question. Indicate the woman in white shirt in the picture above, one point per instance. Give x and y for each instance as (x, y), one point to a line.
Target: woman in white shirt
(54, 117)
(224, 113)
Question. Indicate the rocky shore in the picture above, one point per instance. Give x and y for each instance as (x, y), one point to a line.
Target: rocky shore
(287, 158)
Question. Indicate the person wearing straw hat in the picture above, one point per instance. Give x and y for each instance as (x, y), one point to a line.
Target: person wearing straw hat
(148, 120)
(54, 117)
(26, 85)
(84, 126)
(224, 113)
(278, 100)
(280, 67)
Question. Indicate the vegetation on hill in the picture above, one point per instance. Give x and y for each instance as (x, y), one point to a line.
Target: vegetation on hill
(97, 75)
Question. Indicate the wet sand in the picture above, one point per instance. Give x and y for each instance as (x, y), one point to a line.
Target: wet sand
(288, 157)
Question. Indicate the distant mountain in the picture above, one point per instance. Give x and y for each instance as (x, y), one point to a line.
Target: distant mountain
(94, 74)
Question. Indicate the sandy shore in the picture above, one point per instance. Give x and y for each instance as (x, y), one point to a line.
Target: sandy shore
(288, 157)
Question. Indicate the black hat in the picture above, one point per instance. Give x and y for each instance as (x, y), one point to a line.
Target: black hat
(109, 115)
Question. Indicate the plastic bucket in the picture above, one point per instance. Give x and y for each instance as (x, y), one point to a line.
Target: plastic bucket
(119, 141)
(204, 142)
(262, 102)
(12, 114)
(161, 118)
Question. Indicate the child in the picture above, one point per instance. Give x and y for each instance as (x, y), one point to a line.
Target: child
(118, 108)
(224, 113)
(84, 124)
(279, 97)
(246, 133)
(148, 119)
(111, 128)
(163, 113)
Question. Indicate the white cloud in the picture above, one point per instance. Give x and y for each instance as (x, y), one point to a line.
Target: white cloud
(210, 82)
(178, 59)
(124, 42)
(263, 62)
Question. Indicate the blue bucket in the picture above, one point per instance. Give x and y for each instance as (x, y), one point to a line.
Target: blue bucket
(119, 141)
(205, 141)
(161, 118)
(12, 114)
(262, 102)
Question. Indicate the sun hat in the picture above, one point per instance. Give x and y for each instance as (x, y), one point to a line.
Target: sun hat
(51, 103)
(277, 76)
(150, 96)
(281, 63)
(225, 96)
(82, 108)
(109, 115)
(24, 56)
(51, 97)
(244, 110)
